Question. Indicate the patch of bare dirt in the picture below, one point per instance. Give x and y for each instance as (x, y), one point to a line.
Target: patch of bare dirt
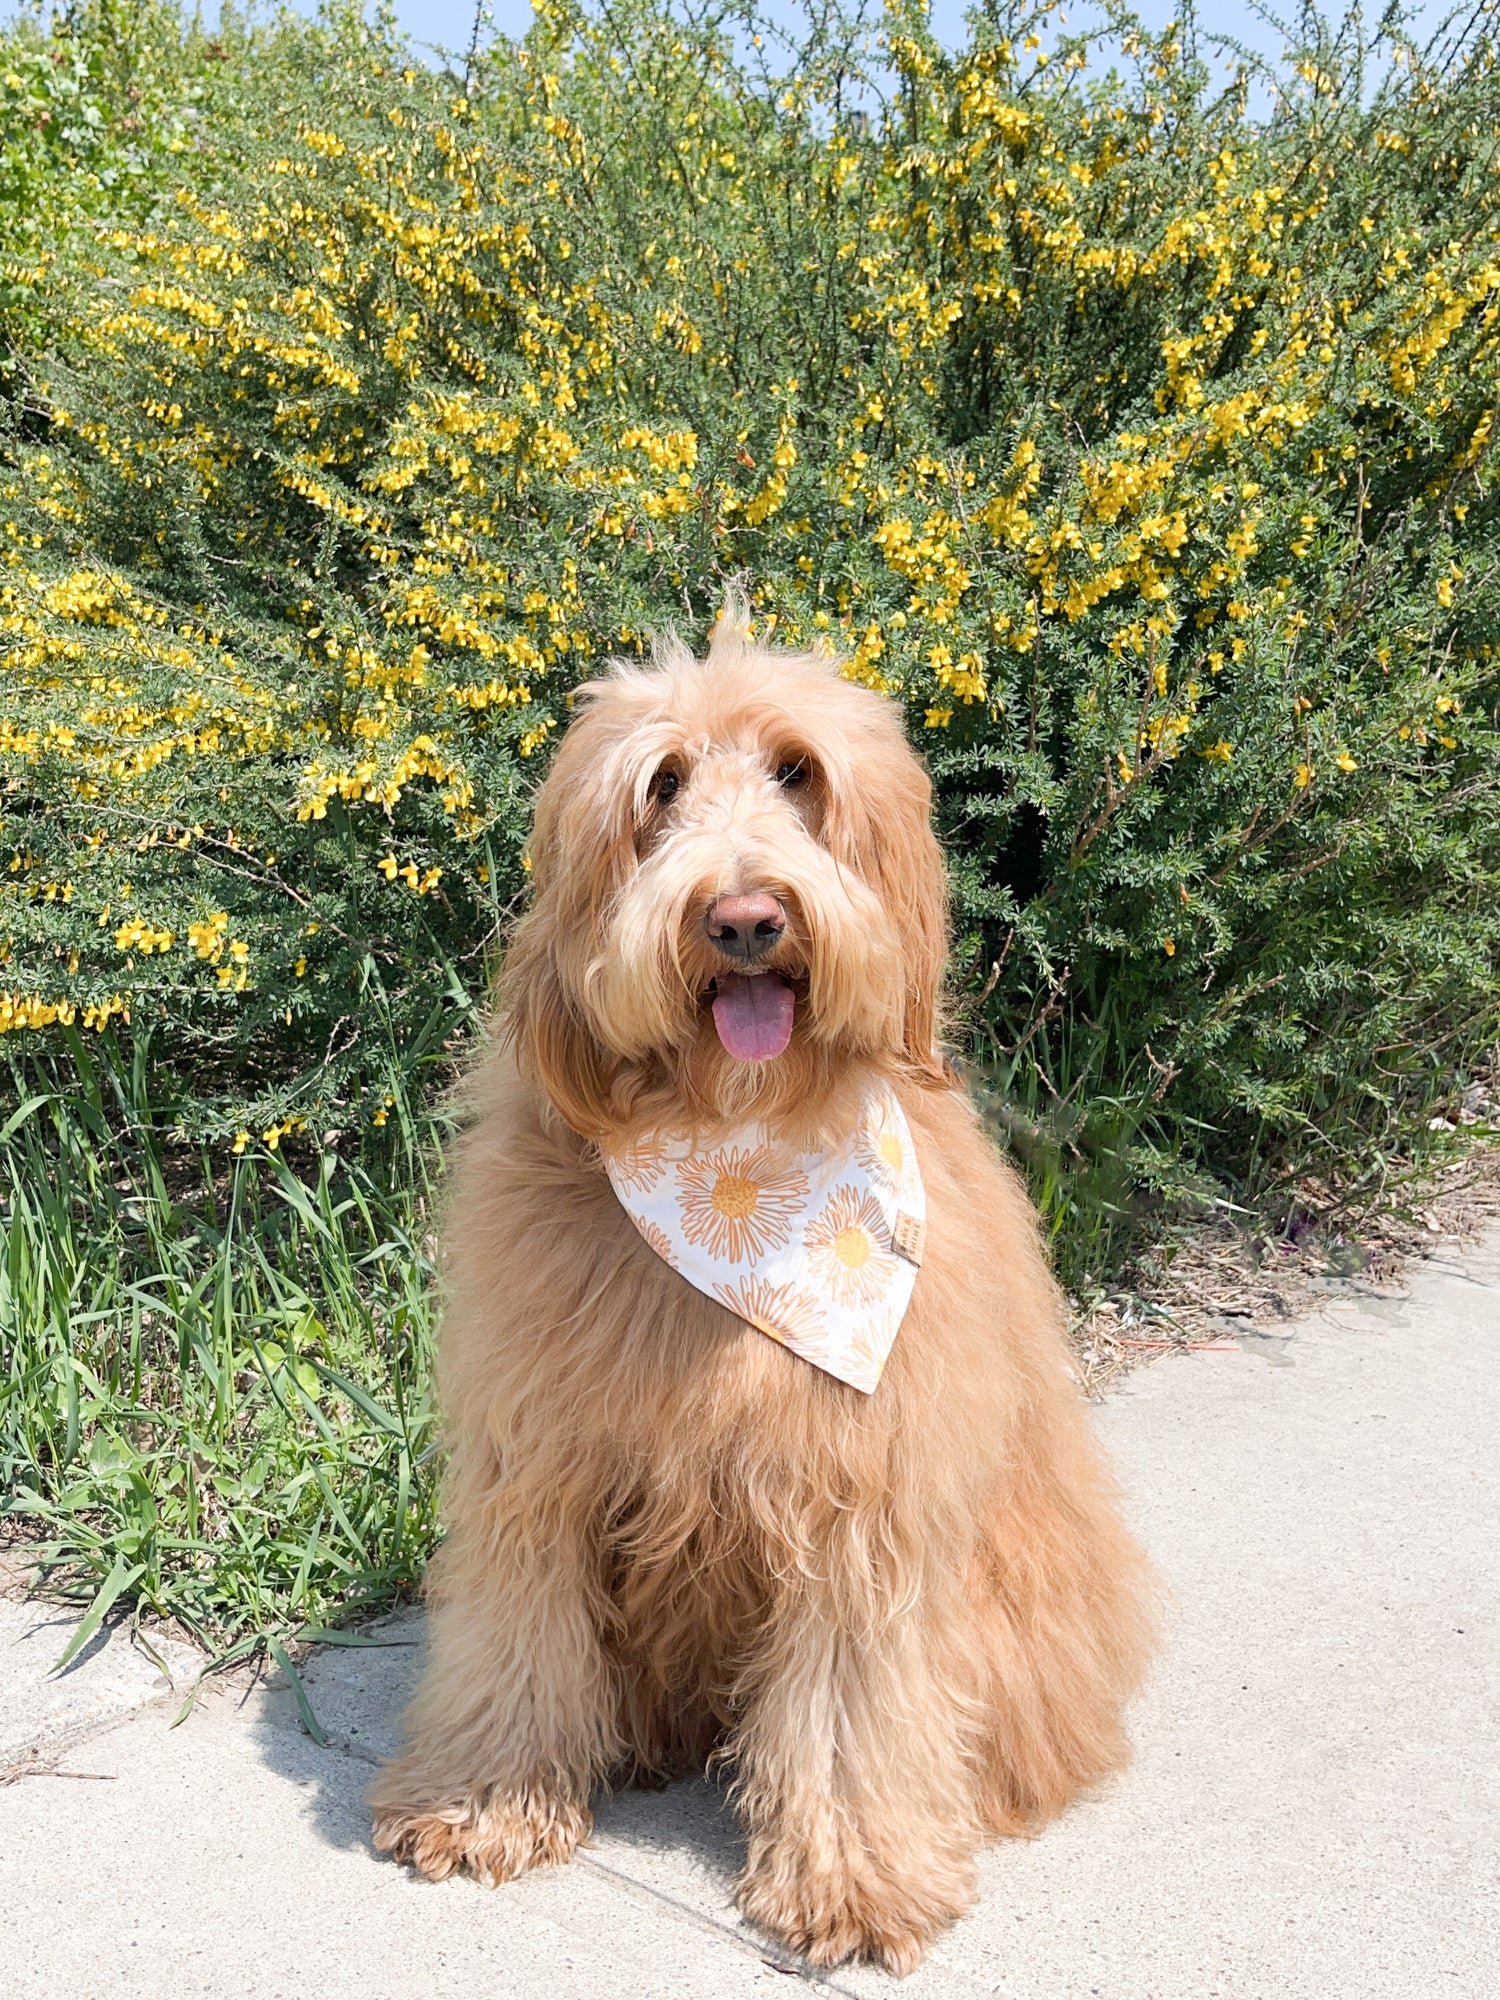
(1209, 1284)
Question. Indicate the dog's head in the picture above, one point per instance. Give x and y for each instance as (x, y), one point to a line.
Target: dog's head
(738, 898)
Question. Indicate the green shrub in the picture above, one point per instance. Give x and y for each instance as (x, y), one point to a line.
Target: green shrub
(1140, 447)
(94, 120)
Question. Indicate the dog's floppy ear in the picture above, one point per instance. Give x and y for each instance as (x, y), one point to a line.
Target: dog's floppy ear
(553, 1043)
(899, 856)
(576, 816)
(915, 888)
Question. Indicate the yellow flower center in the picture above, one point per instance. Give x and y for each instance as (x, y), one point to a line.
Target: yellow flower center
(890, 1151)
(852, 1247)
(734, 1196)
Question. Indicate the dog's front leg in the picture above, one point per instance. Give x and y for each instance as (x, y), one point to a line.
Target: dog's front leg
(857, 1777)
(513, 1721)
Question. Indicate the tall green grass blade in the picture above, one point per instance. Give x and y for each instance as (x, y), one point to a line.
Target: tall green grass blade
(310, 1721)
(120, 1578)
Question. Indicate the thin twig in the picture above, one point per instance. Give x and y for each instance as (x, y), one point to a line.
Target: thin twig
(996, 969)
(46, 1767)
(1180, 1346)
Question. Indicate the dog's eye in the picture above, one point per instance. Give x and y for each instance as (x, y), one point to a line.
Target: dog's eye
(665, 786)
(792, 773)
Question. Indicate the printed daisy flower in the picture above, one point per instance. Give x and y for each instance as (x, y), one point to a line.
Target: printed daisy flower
(740, 1201)
(886, 1152)
(660, 1242)
(846, 1249)
(864, 1355)
(785, 1312)
(638, 1167)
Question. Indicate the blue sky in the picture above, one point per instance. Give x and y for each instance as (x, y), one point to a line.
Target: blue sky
(449, 22)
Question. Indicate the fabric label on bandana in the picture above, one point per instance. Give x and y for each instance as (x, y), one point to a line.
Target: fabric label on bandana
(817, 1250)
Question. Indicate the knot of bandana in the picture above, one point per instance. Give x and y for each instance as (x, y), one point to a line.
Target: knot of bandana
(819, 1251)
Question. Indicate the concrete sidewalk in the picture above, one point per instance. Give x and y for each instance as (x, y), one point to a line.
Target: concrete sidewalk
(1314, 1811)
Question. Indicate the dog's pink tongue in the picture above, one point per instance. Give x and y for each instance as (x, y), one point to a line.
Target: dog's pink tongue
(754, 1016)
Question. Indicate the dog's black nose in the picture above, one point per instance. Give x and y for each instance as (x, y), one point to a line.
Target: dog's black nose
(745, 928)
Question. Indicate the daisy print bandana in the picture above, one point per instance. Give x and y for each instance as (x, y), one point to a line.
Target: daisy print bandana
(819, 1251)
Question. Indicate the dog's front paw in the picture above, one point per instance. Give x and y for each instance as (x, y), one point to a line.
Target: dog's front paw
(493, 1836)
(844, 1906)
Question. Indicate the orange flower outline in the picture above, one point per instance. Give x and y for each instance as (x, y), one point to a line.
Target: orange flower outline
(657, 1238)
(846, 1248)
(784, 1312)
(740, 1201)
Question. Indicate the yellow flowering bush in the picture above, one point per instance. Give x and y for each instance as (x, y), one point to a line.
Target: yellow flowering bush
(1140, 448)
(353, 410)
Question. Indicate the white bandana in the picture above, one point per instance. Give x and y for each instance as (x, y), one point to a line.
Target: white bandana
(818, 1250)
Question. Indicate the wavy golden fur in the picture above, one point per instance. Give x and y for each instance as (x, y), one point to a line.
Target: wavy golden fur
(907, 1621)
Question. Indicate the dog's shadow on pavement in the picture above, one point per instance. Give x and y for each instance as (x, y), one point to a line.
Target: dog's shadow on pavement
(356, 1696)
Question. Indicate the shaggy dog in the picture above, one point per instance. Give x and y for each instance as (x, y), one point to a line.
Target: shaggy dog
(908, 1620)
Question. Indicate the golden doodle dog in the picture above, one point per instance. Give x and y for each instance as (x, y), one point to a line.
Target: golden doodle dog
(692, 1517)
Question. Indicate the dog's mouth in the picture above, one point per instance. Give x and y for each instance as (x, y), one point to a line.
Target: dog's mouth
(753, 1013)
